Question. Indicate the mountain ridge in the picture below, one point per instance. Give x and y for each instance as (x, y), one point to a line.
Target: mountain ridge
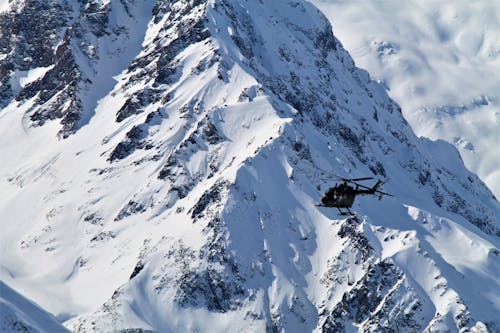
(196, 177)
(18, 314)
(437, 60)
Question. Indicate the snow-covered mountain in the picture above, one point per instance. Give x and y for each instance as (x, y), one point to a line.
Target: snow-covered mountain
(162, 163)
(17, 314)
(440, 61)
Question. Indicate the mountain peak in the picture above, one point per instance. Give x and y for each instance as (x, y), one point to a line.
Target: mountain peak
(182, 193)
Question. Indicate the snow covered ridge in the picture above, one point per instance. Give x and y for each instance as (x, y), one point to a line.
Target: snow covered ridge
(439, 60)
(181, 191)
(18, 314)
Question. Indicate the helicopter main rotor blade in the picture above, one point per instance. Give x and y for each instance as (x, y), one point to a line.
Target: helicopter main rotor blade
(362, 186)
(322, 170)
(356, 179)
(376, 191)
(384, 193)
(332, 174)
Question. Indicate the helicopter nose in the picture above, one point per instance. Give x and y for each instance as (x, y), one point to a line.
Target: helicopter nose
(324, 200)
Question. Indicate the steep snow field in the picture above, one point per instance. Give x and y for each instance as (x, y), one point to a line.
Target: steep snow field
(17, 314)
(440, 61)
(176, 188)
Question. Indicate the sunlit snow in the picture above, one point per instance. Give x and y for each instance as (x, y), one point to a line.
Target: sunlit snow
(211, 221)
(440, 60)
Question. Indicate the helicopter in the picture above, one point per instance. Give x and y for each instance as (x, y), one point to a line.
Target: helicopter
(343, 195)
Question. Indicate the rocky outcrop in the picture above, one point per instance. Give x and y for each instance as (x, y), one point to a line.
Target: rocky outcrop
(192, 164)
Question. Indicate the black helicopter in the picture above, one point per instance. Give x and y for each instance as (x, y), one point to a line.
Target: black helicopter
(343, 195)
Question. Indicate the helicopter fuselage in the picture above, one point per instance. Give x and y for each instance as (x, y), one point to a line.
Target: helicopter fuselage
(339, 197)
(343, 195)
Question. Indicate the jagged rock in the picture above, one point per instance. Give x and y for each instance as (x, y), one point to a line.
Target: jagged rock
(199, 135)
(137, 269)
(132, 207)
(133, 140)
(211, 196)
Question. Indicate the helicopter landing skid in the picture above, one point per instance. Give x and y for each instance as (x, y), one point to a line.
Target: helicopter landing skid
(348, 213)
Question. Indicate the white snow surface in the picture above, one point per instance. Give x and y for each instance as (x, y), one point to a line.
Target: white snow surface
(440, 61)
(4, 5)
(18, 314)
(215, 226)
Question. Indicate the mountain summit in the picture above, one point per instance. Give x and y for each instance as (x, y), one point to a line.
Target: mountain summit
(162, 164)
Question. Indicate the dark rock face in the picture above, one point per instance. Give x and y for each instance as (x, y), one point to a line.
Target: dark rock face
(210, 197)
(31, 35)
(372, 299)
(208, 289)
(135, 104)
(182, 32)
(27, 38)
(324, 100)
(375, 295)
(132, 207)
(57, 92)
(211, 134)
(133, 140)
(43, 34)
(216, 285)
(137, 269)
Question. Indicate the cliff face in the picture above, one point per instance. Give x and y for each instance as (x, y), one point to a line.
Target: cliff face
(164, 163)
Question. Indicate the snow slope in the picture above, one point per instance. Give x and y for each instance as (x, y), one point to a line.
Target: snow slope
(175, 189)
(4, 5)
(440, 61)
(17, 314)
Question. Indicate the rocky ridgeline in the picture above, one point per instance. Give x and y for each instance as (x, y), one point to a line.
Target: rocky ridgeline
(234, 156)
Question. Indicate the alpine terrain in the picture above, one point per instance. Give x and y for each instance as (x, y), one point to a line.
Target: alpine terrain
(439, 60)
(162, 165)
